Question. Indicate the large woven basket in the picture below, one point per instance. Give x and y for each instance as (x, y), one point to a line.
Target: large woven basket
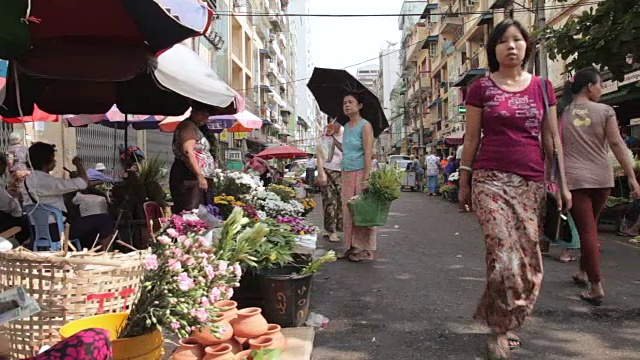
(66, 288)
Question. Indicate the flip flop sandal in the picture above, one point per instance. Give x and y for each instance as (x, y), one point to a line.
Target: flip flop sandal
(567, 260)
(593, 300)
(580, 282)
(514, 341)
(497, 350)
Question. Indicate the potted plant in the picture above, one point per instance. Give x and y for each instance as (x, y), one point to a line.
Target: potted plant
(372, 207)
(290, 284)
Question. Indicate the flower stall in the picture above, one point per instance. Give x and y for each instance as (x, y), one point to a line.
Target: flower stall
(215, 277)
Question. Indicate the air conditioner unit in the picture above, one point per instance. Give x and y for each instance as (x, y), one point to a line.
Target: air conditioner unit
(471, 3)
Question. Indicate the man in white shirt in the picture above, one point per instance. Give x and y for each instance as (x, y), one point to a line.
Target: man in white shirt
(433, 168)
(312, 163)
(43, 188)
(10, 210)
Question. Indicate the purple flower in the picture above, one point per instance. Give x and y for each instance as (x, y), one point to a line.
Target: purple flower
(175, 325)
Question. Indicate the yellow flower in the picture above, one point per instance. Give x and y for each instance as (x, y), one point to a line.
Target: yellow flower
(301, 232)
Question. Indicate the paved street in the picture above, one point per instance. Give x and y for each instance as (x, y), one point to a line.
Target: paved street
(416, 300)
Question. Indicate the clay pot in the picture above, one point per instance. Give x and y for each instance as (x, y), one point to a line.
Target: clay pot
(279, 341)
(249, 323)
(218, 352)
(244, 342)
(205, 337)
(228, 307)
(243, 355)
(189, 349)
(262, 342)
(236, 347)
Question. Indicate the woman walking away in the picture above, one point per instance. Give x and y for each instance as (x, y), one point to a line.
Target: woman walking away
(588, 130)
(330, 180)
(357, 149)
(193, 166)
(508, 180)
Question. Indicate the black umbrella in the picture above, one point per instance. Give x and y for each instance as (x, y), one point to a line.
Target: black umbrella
(329, 86)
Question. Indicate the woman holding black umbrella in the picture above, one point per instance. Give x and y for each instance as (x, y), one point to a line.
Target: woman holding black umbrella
(357, 151)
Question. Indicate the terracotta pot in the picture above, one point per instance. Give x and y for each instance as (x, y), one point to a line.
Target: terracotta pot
(218, 352)
(279, 341)
(205, 337)
(228, 307)
(262, 342)
(249, 323)
(244, 342)
(189, 349)
(236, 347)
(244, 355)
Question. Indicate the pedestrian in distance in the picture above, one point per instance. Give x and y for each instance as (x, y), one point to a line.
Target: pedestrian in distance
(508, 190)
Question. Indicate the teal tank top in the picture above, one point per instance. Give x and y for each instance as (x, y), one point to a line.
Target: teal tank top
(353, 147)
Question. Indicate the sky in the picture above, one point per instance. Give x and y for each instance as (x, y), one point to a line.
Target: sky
(341, 42)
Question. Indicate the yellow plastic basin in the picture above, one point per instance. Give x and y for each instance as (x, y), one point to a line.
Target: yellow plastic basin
(145, 347)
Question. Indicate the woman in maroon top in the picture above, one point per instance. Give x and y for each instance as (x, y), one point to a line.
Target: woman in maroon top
(507, 107)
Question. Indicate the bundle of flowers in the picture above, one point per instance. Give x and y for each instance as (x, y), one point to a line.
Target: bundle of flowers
(236, 184)
(186, 274)
(308, 204)
(278, 247)
(226, 204)
(297, 225)
(284, 192)
(273, 207)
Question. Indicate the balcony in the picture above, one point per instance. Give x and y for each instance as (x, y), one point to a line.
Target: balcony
(274, 48)
(450, 24)
(470, 70)
(276, 20)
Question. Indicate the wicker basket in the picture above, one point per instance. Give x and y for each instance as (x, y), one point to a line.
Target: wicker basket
(66, 288)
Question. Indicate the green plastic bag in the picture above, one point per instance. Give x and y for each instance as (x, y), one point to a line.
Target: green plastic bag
(369, 210)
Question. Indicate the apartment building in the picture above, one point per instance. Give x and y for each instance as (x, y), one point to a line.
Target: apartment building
(306, 125)
(443, 52)
(367, 75)
(388, 75)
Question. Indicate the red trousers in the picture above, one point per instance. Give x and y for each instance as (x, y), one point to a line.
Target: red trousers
(587, 205)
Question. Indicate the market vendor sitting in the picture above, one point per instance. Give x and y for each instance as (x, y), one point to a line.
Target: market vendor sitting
(97, 175)
(40, 187)
(90, 218)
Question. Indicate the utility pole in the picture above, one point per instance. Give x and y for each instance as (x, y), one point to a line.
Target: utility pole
(541, 22)
(421, 137)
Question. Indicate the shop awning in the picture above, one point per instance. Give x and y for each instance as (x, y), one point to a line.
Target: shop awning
(454, 139)
(428, 40)
(435, 102)
(485, 19)
(427, 10)
(468, 76)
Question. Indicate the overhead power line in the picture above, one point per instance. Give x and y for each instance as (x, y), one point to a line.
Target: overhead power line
(448, 13)
(394, 51)
(479, 15)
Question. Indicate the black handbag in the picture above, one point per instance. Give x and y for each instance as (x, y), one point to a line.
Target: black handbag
(556, 226)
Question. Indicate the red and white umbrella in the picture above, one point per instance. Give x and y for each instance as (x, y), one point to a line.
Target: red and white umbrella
(282, 152)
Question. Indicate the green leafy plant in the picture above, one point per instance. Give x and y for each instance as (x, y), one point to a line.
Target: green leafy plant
(605, 36)
(264, 354)
(385, 183)
(314, 266)
(277, 249)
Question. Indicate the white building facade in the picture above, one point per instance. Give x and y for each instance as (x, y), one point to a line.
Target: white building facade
(306, 124)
